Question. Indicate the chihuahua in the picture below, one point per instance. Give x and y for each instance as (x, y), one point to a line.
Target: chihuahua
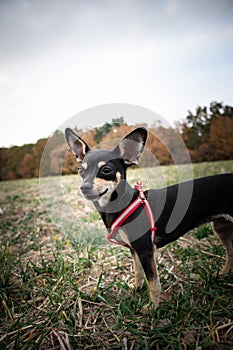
(145, 221)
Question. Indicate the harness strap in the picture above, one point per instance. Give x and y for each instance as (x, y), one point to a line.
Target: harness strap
(141, 200)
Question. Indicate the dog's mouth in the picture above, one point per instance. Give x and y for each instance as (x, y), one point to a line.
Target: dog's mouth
(95, 196)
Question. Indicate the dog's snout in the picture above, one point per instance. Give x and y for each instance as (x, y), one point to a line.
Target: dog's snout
(86, 188)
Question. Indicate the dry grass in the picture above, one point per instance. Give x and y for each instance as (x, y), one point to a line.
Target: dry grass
(67, 288)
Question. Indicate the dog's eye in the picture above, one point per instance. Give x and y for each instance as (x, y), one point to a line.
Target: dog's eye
(106, 170)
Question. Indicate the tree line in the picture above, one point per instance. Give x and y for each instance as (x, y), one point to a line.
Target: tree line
(207, 134)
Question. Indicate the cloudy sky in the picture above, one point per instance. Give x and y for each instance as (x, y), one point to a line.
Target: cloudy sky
(59, 57)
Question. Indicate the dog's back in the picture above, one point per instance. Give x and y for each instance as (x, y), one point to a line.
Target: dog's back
(180, 208)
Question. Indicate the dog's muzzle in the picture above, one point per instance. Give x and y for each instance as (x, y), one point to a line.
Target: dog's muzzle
(90, 193)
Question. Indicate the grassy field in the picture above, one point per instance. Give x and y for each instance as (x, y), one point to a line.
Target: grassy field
(63, 286)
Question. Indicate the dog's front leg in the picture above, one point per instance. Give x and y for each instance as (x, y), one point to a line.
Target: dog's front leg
(138, 271)
(148, 262)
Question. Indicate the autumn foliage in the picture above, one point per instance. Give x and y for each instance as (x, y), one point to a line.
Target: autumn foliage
(207, 134)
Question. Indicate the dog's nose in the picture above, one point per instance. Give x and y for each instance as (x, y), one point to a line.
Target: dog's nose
(86, 188)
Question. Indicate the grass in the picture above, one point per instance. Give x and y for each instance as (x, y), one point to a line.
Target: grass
(65, 287)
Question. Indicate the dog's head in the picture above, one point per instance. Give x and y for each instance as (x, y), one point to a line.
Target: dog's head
(102, 170)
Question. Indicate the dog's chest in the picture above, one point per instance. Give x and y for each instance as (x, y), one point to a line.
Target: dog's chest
(121, 236)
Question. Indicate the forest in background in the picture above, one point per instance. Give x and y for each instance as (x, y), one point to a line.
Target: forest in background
(207, 134)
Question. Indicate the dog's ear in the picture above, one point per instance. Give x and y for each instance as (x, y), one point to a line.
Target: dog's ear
(76, 144)
(131, 147)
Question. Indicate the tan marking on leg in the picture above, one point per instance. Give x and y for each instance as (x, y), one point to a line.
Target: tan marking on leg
(228, 245)
(226, 236)
(138, 271)
(121, 236)
(154, 284)
(228, 265)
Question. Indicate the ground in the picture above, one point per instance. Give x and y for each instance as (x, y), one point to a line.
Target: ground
(66, 287)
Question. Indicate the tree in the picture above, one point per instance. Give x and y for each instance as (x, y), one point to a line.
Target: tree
(197, 127)
(101, 132)
(208, 133)
(104, 130)
(25, 167)
(221, 138)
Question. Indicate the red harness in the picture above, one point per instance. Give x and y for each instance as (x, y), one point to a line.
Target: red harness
(141, 200)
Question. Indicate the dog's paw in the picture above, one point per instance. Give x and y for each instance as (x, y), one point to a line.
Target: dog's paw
(226, 269)
(139, 285)
(146, 308)
(150, 307)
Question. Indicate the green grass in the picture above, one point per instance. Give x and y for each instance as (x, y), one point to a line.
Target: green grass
(67, 288)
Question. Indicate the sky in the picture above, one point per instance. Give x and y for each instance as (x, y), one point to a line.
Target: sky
(61, 57)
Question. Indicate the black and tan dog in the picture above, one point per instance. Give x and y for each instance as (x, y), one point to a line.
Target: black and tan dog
(175, 210)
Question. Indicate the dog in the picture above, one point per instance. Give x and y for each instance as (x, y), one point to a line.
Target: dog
(146, 221)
